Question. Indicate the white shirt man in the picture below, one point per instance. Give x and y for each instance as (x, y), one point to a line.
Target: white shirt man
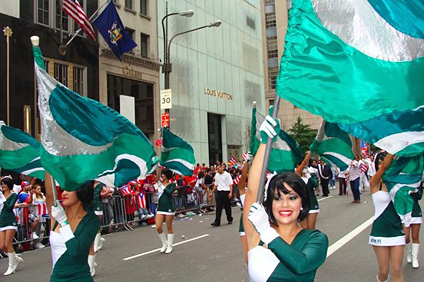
(224, 186)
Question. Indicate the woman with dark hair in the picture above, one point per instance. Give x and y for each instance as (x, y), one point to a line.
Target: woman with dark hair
(387, 236)
(74, 227)
(166, 210)
(8, 225)
(278, 248)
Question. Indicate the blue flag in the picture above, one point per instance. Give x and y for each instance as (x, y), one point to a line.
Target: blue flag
(113, 31)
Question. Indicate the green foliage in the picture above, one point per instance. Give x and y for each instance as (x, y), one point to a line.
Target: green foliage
(303, 134)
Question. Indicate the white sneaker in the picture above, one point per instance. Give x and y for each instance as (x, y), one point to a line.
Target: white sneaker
(39, 245)
(35, 236)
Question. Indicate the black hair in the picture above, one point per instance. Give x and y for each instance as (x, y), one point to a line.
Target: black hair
(167, 173)
(201, 174)
(378, 157)
(85, 194)
(8, 182)
(296, 183)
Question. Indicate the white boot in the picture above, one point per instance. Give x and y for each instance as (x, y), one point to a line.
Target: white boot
(408, 249)
(415, 249)
(96, 243)
(100, 243)
(14, 261)
(162, 237)
(170, 241)
(92, 264)
(384, 280)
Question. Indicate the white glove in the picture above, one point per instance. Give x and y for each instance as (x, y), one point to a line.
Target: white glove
(268, 129)
(58, 213)
(259, 218)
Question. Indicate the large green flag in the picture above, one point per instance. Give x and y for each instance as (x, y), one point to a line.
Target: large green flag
(285, 151)
(177, 155)
(359, 64)
(84, 140)
(403, 177)
(19, 152)
(333, 145)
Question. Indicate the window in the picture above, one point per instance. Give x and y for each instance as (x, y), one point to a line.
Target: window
(60, 14)
(272, 77)
(145, 38)
(129, 4)
(79, 80)
(250, 22)
(43, 12)
(130, 34)
(61, 73)
(272, 53)
(143, 7)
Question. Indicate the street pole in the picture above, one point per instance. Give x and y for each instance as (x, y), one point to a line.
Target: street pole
(8, 33)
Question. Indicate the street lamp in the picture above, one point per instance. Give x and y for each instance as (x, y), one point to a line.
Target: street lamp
(167, 66)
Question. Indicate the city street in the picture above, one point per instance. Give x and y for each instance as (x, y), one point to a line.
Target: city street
(205, 253)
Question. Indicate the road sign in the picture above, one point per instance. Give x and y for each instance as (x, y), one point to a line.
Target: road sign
(165, 99)
(165, 120)
(159, 142)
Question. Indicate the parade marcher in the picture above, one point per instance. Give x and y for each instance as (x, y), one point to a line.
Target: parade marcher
(74, 228)
(354, 177)
(98, 240)
(166, 210)
(242, 192)
(8, 225)
(224, 186)
(413, 231)
(311, 182)
(278, 248)
(387, 236)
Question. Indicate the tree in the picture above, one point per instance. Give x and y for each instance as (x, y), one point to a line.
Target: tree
(302, 133)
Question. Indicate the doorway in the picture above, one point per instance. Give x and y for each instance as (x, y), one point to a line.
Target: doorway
(214, 138)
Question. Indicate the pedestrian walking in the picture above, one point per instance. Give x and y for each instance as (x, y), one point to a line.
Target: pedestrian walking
(387, 235)
(354, 177)
(224, 186)
(325, 175)
(278, 248)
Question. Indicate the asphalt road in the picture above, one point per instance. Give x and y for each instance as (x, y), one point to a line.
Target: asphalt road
(214, 253)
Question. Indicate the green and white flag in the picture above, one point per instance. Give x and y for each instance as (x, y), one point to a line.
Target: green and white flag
(285, 152)
(84, 140)
(402, 178)
(19, 152)
(177, 155)
(359, 64)
(333, 145)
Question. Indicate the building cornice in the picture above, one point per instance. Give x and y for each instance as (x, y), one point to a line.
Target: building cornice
(128, 58)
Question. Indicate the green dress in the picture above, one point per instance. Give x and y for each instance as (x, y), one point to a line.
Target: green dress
(70, 254)
(166, 204)
(297, 262)
(7, 216)
(313, 202)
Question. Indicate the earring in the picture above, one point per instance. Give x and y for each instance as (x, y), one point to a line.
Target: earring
(301, 208)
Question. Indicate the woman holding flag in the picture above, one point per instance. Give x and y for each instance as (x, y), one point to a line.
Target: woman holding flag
(387, 236)
(279, 249)
(8, 225)
(74, 228)
(165, 211)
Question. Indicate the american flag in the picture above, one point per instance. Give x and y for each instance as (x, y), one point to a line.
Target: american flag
(363, 167)
(75, 11)
(232, 161)
(244, 156)
(237, 180)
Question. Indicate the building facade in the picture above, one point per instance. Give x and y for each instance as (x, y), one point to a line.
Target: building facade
(217, 73)
(131, 86)
(274, 28)
(77, 69)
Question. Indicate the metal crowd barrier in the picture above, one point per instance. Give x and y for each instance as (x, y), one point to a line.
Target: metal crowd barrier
(119, 213)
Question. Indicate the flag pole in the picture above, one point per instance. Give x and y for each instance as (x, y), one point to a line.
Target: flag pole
(62, 48)
(260, 195)
(35, 41)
